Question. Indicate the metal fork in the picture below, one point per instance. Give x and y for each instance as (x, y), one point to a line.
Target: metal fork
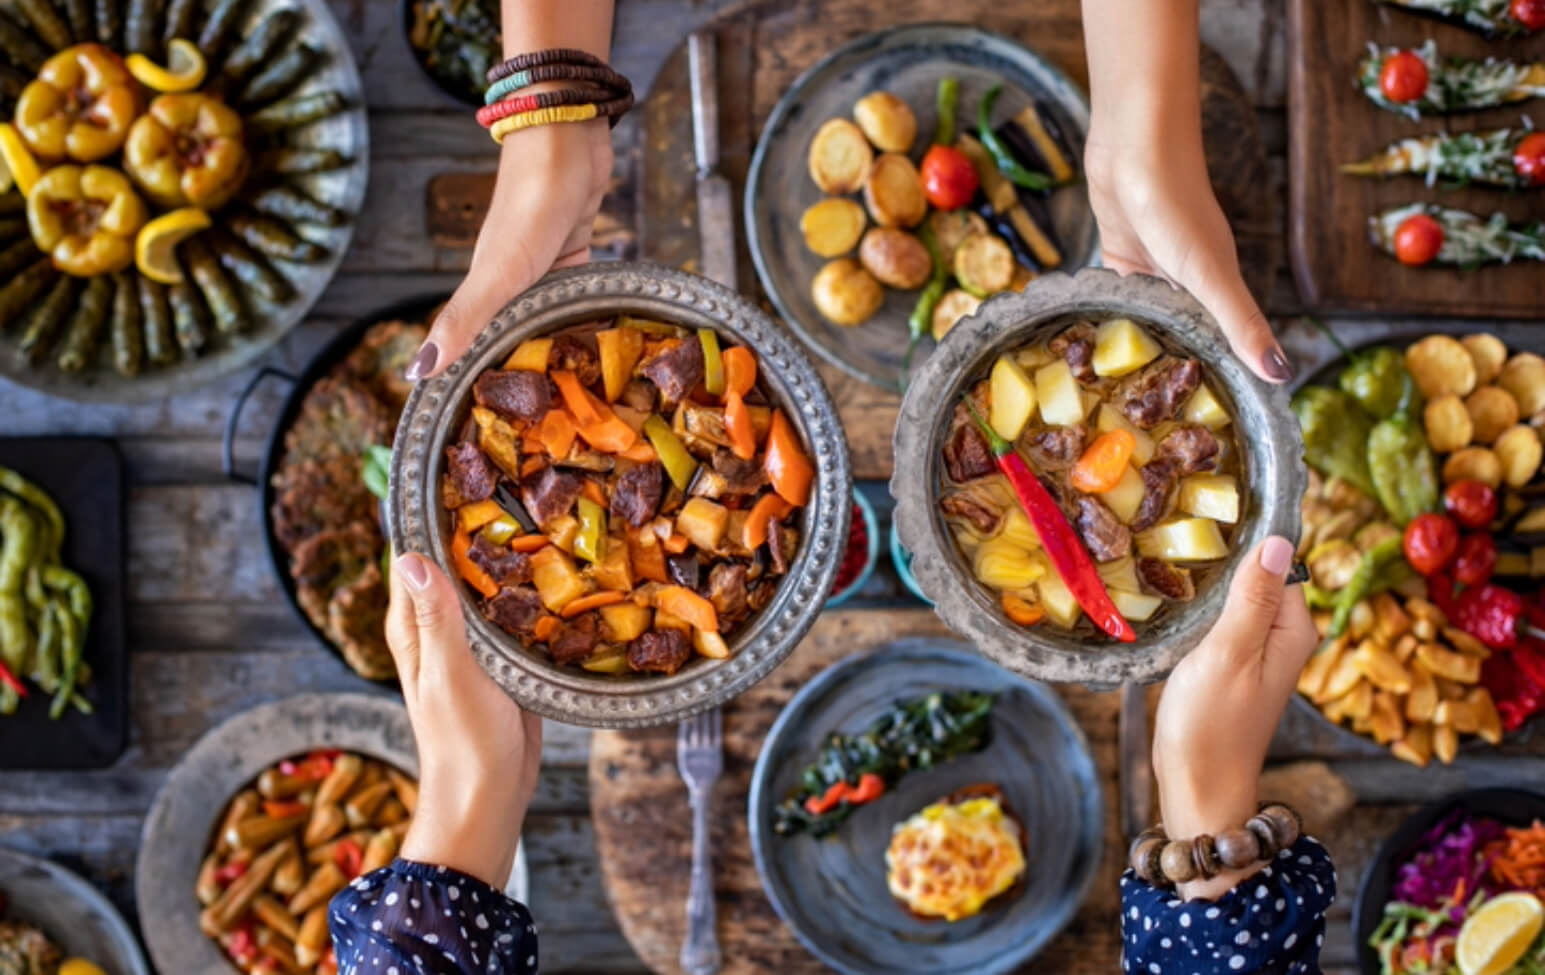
(700, 758)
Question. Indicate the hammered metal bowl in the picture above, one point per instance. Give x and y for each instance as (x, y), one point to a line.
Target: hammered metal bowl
(438, 407)
(1274, 474)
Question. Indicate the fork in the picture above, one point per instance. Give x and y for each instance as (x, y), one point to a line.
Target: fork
(700, 758)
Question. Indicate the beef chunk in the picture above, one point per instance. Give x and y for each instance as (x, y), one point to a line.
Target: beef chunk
(662, 651)
(727, 591)
(515, 395)
(967, 456)
(1104, 534)
(761, 594)
(577, 640)
(573, 354)
(551, 494)
(1190, 450)
(639, 394)
(636, 495)
(1157, 392)
(1158, 490)
(677, 370)
(507, 568)
(740, 476)
(468, 475)
(781, 544)
(1076, 347)
(1163, 579)
(1057, 448)
(963, 505)
(514, 610)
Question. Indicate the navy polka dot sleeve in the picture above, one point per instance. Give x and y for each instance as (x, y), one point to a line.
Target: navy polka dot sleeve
(411, 918)
(1273, 923)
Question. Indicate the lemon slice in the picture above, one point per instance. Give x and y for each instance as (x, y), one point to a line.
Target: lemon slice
(16, 159)
(184, 69)
(1496, 936)
(155, 247)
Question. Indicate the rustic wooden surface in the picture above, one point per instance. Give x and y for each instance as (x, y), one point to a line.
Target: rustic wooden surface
(211, 635)
(1330, 123)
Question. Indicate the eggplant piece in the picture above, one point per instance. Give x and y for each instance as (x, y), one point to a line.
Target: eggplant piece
(289, 203)
(298, 111)
(224, 17)
(181, 20)
(684, 569)
(258, 48)
(83, 335)
(1033, 221)
(293, 161)
(1032, 140)
(128, 339)
(1003, 227)
(22, 288)
(142, 25)
(156, 321)
(190, 316)
(110, 23)
(251, 269)
(46, 318)
(19, 46)
(46, 22)
(221, 294)
(283, 76)
(274, 238)
(511, 503)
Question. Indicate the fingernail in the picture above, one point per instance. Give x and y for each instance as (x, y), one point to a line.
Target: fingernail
(1277, 555)
(422, 363)
(412, 569)
(1276, 365)
(1299, 575)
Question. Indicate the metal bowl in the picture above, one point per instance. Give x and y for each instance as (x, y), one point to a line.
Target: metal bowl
(72, 913)
(189, 804)
(438, 407)
(1274, 474)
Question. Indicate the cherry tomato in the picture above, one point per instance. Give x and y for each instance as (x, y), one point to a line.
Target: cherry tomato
(1530, 13)
(1430, 541)
(1476, 557)
(1418, 240)
(1472, 503)
(1529, 154)
(949, 179)
(1403, 78)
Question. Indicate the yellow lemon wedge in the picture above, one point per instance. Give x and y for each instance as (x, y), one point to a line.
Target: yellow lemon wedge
(155, 247)
(16, 159)
(79, 966)
(1496, 936)
(184, 69)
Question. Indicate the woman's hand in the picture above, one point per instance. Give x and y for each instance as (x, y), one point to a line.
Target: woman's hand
(1222, 705)
(549, 188)
(478, 751)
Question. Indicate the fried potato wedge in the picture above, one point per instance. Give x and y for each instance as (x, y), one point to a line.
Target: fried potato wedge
(886, 120)
(839, 157)
(893, 192)
(833, 226)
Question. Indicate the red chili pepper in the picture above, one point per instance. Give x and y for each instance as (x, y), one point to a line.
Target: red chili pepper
(1440, 590)
(1475, 560)
(241, 945)
(349, 856)
(313, 768)
(230, 872)
(278, 809)
(823, 804)
(1490, 614)
(1068, 556)
(11, 680)
(870, 788)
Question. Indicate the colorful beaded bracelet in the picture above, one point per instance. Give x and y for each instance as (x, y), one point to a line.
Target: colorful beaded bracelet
(1162, 862)
(542, 116)
(556, 72)
(515, 104)
(556, 55)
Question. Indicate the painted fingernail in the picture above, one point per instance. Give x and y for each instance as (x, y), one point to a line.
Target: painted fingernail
(1299, 575)
(412, 569)
(1276, 365)
(1277, 555)
(422, 363)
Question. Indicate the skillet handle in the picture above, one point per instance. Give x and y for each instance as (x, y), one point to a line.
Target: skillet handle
(228, 445)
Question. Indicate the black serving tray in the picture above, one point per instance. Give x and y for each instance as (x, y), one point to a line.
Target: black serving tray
(84, 475)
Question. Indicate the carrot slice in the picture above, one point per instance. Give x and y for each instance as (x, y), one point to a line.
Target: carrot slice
(556, 434)
(737, 423)
(577, 398)
(739, 370)
(532, 465)
(469, 570)
(610, 436)
(1104, 463)
(641, 452)
(595, 600)
(529, 543)
(675, 544)
(471, 517)
(684, 603)
(787, 467)
(590, 489)
(1022, 611)
(546, 628)
(767, 508)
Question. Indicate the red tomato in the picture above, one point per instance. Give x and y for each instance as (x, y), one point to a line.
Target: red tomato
(1472, 503)
(1403, 78)
(1418, 240)
(1430, 541)
(1529, 154)
(349, 857)
(1530, 13)
(949, 179)
(1476, 557)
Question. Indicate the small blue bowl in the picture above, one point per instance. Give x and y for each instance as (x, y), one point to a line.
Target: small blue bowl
(872, 529)
(902, 559)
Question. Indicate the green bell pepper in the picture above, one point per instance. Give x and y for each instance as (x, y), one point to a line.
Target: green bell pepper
(713, 362)
(1401, 463)
(679, 463)
(590, 543)
(1377, 380)
(1336, 433)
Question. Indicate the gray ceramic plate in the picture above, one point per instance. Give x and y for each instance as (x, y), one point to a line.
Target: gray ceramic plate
(73, 914)
(908, 62)
(832, 893)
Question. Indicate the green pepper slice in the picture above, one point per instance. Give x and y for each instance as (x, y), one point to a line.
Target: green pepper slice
(673, 454)
(713, 362)
(590, 543)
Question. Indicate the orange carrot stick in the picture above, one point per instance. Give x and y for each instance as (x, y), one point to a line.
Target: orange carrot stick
(595, 600)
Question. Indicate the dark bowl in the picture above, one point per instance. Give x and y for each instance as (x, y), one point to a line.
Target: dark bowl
(452, 96)
(1515, 807)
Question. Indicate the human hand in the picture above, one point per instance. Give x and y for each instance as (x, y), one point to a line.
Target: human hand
(1223, 702)
(478, 751)
(551, 181)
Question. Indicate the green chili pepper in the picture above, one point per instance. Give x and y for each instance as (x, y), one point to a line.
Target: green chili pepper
(1376, 378)
(13, 483)
(1008, 164)
(674, 456)
(1318, 597)
(713, 361)
(1375, 561)
(1335, 430)
(590, 543)
(946, 102)
(920, 322)
(501, 530)
(1405, 474)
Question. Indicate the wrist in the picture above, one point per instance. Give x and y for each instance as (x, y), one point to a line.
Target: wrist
(472, 830)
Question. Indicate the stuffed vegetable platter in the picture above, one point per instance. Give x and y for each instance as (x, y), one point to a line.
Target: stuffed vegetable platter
(178, 184)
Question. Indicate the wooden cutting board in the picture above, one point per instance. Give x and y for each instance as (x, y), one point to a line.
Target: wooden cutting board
(1331, 122)
(643, 824)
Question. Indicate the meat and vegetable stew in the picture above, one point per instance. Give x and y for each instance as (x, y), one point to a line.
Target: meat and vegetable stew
(286, 844)
(625, 494)
(1092, 474)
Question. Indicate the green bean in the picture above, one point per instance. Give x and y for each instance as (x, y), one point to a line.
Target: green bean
(19, 46)
(46, 23)
(274, 238)
(259, 47)
(290, 203)
(72, 632)
(83, 335)
(190, 316)
(17, 256)
(141, 23)
(47, 316)
(295, 161)
(72, 587)
(224, 301)
(24, 490)
(180, 16)
(79, 12)
(37, 596)
(156, 320)
(283, 76)
(297, 111)
(110, 23)
(17, 553)
(222, 22)
(22, 289)
(128, 340)
(46, 658)
(252, 269)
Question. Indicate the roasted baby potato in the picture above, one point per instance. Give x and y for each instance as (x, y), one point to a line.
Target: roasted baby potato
(894, 192)
(1518, 452)
(839, 157)
(833, 226)
(952, 227)
(1488, 353)
(1448, 423)
(1524, 377)
(1492, 411)
(1473, 464)
(1440, 365)
(886, 120)
(956, 304)
(897, 258)
(845, 293)
(984, 265)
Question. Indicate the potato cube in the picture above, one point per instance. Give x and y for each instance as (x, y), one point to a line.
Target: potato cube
(1060, 605)
(702, 521)
(1416, 746)
(1311, 681)
(1214, 496)
(620, 350)
(710, 645)
(1111, 419)
(1422, 700)
(1013, 398)
(1384, 721)
(1126, 497)
(1018, 530)
(1061, 401)
(625, 621)
(1445, 743)
(1120, 574)
(1122, 346)
(557, 580)
(1442, 662)
(1003, 565)
(1381, 668)
(1136, 607)
(1205, 408)
(1184, 540)
(530, 355)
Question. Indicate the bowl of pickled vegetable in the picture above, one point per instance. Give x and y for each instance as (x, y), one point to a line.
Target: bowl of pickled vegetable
(1081, 469)
(641, 486)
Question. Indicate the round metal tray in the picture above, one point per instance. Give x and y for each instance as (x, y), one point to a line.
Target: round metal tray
(72, 913)
(344, 188)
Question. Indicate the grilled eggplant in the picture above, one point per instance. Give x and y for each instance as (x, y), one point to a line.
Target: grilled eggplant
(1491, 17)
(1462, 157)
(1468, 240)
(1454, 84)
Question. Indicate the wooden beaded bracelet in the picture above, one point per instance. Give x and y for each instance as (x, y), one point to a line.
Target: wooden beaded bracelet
(535, 59)
(1162, 862)
(557, 72)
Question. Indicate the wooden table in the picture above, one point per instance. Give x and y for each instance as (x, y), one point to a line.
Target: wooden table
(211, 634)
